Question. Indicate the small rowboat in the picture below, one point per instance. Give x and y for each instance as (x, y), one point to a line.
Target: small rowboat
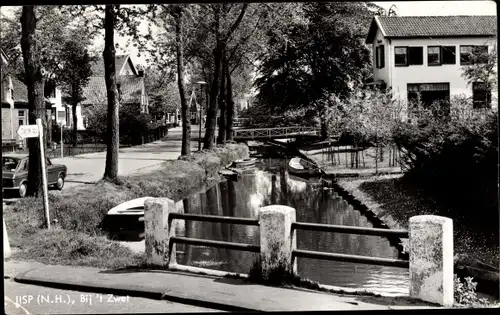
(302, 167)
(245, 162)
(131, 207)
(126, 218)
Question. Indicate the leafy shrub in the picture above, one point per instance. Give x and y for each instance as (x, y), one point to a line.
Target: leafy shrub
(454, 157)
(465, 293)
(133, 123)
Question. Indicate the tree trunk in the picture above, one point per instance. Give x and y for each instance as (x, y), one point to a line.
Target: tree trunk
(75, 118)
(186, 124)
(208, 141)
(113, 134)
(229, 107)
(35, 84)
(222, 104)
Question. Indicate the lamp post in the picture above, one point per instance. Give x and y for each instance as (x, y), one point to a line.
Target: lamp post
(201, 83)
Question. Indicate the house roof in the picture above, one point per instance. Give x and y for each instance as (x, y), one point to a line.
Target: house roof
(130, 87)
(20, 93)
(433, 26)
(120, 60)
(95, 91)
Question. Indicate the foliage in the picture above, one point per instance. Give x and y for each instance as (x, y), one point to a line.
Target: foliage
(482, 68)
(11, 38)
(454, 155)
(133, 123)
(465, 293)
(162, 92)
(367, 118)
(319, 52)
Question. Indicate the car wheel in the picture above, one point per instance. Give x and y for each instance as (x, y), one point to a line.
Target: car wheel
(23, 189)
(60, 182)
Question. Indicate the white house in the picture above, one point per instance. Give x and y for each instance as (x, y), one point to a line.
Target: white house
(426, 54)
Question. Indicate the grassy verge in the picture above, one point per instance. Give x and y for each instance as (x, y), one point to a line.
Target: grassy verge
(77, 237)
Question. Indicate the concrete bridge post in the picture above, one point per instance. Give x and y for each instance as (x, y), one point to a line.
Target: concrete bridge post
(158, 231)
(277, 240)
(431, 259)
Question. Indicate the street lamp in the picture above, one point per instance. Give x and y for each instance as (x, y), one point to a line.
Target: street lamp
(201, 83)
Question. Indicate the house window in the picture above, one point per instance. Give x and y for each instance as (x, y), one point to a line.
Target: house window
(415, 55)
(428, 92)
(481, 95)
(21, 113)
(481, 52)
(404, 56)
(401, 56)
(448, 55)
(434, 56)
(380, 57)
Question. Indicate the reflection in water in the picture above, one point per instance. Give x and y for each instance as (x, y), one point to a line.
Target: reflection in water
(314, 202)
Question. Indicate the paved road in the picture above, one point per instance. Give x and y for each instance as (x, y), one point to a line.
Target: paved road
(89, 168)
(34, 299)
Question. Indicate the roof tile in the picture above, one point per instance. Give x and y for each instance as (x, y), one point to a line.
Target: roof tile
(416, 26)
(98, 65)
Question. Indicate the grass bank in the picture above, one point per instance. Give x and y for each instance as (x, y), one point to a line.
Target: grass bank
(77, 238)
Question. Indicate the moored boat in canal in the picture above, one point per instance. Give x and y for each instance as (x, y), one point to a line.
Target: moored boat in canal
(301, 167)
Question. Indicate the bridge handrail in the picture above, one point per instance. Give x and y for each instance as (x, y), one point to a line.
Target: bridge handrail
(213, 218)
(277, 224)
(351, 258)
(320, 227)
(212, 243)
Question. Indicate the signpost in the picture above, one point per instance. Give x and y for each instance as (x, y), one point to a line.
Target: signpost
(62, 142)
(36, 131)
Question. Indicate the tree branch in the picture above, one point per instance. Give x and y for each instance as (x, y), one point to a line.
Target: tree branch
(236, 23)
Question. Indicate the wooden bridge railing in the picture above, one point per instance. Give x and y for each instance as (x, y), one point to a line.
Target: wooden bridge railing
(270, 133)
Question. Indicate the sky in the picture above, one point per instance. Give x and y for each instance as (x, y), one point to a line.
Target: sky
(404, 8)
(409, 8)
(418, 8)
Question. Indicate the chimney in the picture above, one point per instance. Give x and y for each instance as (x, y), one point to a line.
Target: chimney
(141, 73)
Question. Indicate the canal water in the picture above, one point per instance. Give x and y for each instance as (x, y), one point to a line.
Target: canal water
(269, 183)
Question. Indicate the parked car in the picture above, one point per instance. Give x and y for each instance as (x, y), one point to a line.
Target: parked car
(15, 174)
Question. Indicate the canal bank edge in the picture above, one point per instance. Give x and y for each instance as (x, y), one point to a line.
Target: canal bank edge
(347, 186)
(30, 242)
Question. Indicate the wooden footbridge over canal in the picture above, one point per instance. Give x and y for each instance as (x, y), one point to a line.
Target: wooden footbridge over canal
(274, 133)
